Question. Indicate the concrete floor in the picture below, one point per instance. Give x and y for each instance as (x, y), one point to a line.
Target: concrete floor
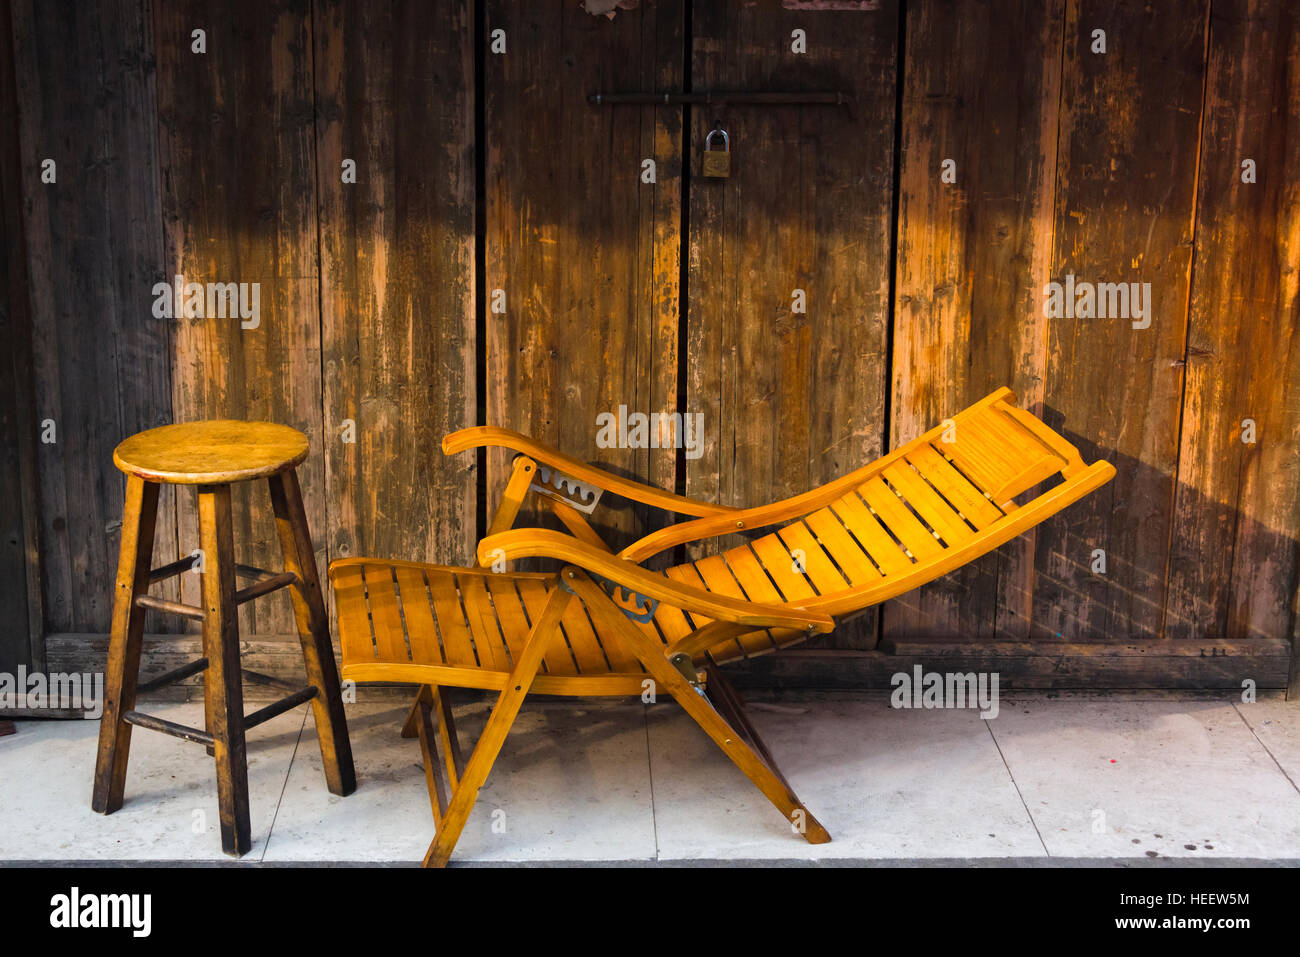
(1051, 780)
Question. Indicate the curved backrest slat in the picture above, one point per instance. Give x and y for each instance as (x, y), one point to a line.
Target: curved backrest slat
(940, 501)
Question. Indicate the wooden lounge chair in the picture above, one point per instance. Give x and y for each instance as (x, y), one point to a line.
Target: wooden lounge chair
(605, 625)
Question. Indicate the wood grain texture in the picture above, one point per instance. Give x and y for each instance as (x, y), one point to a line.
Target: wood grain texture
(122, 665)
(313, 632)
(981, 88)
(1232, 563)
(211, 452)
(1217, 664)
(238, 151)
(22, 629)
(585, 253)
(1126, 185)
(86, 88)
(790, 400)
(222, 683)
(395, 93)
(225, 167)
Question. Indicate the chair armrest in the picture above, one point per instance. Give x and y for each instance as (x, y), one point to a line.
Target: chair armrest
(482, 435)
(543, 543)
(748, 519)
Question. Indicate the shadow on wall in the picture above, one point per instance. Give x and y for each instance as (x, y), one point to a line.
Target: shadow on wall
(1202, 569)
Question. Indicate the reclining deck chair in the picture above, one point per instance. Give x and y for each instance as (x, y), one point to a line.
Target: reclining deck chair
(606, 625)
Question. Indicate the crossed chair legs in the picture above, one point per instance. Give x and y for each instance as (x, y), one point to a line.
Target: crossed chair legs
(454, 784)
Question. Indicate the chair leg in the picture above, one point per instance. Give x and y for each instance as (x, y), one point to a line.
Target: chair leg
(498, 726)
(433, 778)
(731, 741)
(731, 706)
(313, 632)
(435, 699)
(223, 690)
(411, 726)
(138, 518)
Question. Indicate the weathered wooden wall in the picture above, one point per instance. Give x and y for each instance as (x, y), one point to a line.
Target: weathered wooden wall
(981, 90)
(791, 398)
(1232, 564)
(22, 631)
(478, 171)
(581, 257)
(398, 340)
(94, 241)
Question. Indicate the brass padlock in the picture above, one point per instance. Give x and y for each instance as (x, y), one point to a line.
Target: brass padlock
(717, 163)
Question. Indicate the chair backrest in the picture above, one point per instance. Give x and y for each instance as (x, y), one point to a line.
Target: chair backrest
(930, 506)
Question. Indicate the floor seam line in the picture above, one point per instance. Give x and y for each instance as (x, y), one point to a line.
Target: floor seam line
(1015, 784)
(649, 763)
(275, 815)
(1267, 750)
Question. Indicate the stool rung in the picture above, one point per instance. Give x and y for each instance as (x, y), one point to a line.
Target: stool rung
(172, 569)
(176, 674)
(265, 586)
(279, 707)
(257, 678)
(154, 723)
(268, 583)
(252, 571)
(171, 607)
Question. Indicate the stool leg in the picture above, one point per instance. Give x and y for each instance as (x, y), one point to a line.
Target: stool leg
(223, 690)
(138, 516)
(313, 631)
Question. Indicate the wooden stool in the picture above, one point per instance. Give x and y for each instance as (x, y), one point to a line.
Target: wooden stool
(212, 455)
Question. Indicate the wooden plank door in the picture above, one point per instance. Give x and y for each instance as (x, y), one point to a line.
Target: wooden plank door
(1233, 553)
(85, 83)
(581, 271)
(238, 150)
(22, 634)
(790, 255)
(976, 190)
(395, 99)
(1125, 197)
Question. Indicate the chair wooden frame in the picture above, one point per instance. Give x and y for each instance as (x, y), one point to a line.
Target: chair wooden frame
(930, 506)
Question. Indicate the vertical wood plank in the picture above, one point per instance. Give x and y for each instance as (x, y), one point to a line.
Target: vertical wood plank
(1130, 125)
(395, 94)
(585, 253)
(86, 87)
(238, 151)
(791, 399)
(982, 89)
(1232, 563)
(21, 625)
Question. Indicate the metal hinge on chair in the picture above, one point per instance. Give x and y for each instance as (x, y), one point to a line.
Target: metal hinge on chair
(651, 605)
(555, 484)
(686, 665)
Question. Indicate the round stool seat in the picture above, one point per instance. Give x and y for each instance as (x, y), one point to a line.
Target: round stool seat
(211, 452)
